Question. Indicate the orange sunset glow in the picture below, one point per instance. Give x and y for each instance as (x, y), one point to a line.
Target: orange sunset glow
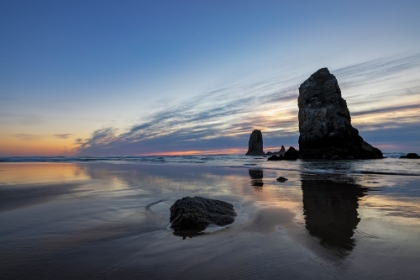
(14, 146)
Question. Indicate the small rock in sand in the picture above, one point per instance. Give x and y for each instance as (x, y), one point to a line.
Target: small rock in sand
(281, 179)
(196, 213)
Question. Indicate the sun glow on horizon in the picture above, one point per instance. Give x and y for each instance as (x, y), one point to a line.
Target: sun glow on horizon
(230, 151)
(12, 146)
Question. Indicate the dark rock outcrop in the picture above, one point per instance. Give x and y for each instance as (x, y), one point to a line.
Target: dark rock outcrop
(194, 214)
(290, 154)
(324, 122)
(255, 144)
(281, 179)
(411, 156)
(280, 152)
(275, 157)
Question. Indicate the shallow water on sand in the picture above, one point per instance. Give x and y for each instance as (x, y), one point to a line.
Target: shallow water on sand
(101, 220)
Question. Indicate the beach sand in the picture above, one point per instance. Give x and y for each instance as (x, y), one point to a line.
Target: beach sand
(107, 221)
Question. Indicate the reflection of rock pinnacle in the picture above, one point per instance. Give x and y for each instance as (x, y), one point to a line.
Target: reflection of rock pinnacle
(257, 176)
(330, 210)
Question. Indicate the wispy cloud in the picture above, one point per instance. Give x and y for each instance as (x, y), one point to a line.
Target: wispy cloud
(62, 136)
(28, 137)
(224, 117)
(35, 137)
(390, 109)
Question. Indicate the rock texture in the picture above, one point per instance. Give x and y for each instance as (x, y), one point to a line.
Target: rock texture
(196, 213)
(255, 144)
(290, 154)
(324, 122)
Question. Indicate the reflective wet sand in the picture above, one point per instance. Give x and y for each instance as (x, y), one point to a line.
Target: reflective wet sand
(96, 220)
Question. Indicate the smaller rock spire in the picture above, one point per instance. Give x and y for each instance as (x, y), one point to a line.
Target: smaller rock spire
(255, 144)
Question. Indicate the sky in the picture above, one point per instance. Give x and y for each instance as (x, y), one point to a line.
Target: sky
(100, 78)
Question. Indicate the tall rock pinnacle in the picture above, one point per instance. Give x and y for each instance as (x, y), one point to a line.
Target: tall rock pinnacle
(255, 144)
(324, 122)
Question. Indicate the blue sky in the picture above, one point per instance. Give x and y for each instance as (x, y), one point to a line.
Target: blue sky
(141, 77)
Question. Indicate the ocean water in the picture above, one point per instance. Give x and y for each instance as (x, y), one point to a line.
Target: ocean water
(108, 218)
(391, 164)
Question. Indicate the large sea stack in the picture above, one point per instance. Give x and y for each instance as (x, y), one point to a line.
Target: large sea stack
(324, 122)
(255, 144)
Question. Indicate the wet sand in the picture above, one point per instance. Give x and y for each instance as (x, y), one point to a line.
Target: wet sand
(107, 221)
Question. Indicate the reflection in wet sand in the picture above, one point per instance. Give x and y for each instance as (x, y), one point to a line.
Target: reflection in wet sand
(111, 221)
(330, 211)
(40, 173)
(257, 176)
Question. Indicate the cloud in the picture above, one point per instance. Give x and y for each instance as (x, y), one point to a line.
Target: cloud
(390, 109)
(404, 135)
(100, 138)
(62, 136)
(34, 137)
(28, 137)
(380, 80)
(224, 117)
